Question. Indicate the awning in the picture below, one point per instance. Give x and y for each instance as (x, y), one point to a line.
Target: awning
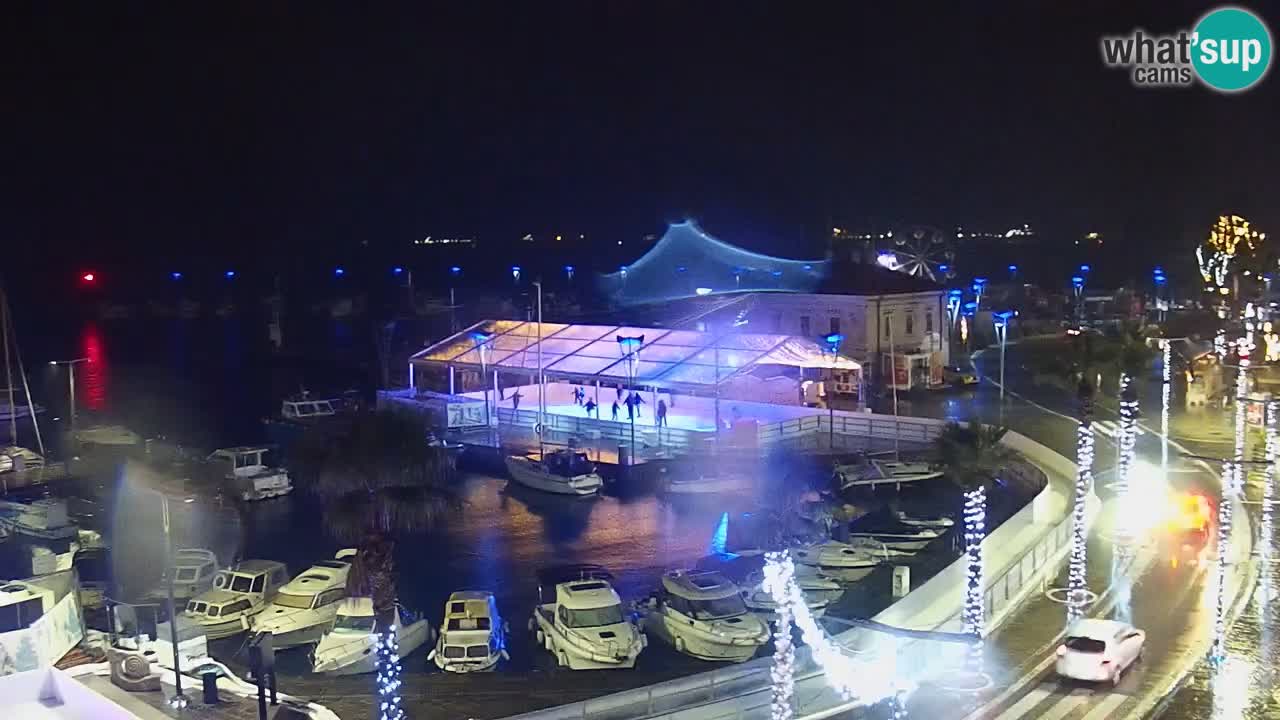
(678, 359)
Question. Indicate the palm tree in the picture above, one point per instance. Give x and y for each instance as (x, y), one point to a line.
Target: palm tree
(376, 477)
(1131, 356)
(973, 456)
(1085, 358)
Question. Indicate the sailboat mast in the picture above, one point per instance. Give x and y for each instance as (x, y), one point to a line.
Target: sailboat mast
(22, 372)
(542, 381)
(8, 370)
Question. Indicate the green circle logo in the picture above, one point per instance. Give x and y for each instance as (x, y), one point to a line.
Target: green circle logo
(1231, 49)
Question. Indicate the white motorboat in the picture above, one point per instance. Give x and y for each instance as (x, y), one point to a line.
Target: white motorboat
(193, 572)
(305, 607)
(871, 472)
(108, 436)
(17, 459)
(45, 519)
(938, 521)
(704, 483)
(349, 648)
(842, 561)
(473, 636)
(17, 411)
(902, 538)
(248, 477)
(819, 589)
(702, 614)
(306, 409)
(237, 593)
(579, 620)
(564, 472)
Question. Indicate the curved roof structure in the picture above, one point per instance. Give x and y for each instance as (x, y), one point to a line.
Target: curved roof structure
(672, 359)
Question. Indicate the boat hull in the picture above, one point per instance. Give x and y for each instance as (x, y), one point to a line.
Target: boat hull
(299, 637)
(359, 656)
(526, 472)
(895, 543)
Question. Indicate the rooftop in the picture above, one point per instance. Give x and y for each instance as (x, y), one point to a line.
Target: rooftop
(699, 585)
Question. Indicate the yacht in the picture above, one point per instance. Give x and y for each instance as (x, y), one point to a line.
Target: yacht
(702, 614)
(703, 483)
(579, 619)
(305, 607)
(349, 647)
(870, 472)
(820, 589)
(193, 571)
(305, 409)
(107, 436)
(843, 561)
(238, 592)
(933, 521)
(45, 519)
(564, 472)
(893, 534)
(248, 477)
(473, 636)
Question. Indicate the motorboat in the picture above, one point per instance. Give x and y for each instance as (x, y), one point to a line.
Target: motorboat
(872, 472)
(892, 534)
(473, 636)
(843, 561)
(349, 647)
(702, 614)
(580, 620)
(21, 604)
(18, 411)
(565, 472)
(193, 571)
(935, 521)
(306, 409)
(248, 477)
(93, 568)
(17, 459)
(305, 607)
(238, 592)
(45, 519)
(108, 436)
(704, 483)
(747, 569)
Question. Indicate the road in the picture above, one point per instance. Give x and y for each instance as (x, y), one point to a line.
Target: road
(1174, 604)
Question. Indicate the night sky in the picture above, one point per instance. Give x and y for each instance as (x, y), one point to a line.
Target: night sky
(242, 129)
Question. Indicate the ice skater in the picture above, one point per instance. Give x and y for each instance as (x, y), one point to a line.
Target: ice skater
(515, 399)
(615, 411)
(590, 406)
(661, 417)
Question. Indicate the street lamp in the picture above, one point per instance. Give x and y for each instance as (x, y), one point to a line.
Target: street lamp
(630, 346)
(979, 284)
(1001, 320)
(71, 384)
(1013, 272)
(1160, 281)
(831, 348)
(482, 346)
(1077, 287)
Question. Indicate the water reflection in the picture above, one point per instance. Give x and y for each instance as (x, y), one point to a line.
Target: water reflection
(92, 375)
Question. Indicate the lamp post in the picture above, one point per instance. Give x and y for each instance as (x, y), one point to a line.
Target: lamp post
(1001, 320)
(630, 346)
(979, 285)
(482, 347)
(179, 700)
(71, 384)
(831, 348)
(1160, 281)
(1077, 287)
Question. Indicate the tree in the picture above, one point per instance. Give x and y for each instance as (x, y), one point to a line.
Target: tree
(973, 456)
(1130, 357)
(377, 477)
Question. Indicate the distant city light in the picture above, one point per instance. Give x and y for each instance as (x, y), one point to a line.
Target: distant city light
(702, 291)
(887, 260)
(175, 275)
(229, 274)
(88, 277)
(339, 272)
(568, 268)
(944, 267)
(455, 269)
(397, 270)
(1013, 268)
(1084, 268)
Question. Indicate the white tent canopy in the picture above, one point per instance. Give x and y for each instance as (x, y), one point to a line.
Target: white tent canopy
(677, 359)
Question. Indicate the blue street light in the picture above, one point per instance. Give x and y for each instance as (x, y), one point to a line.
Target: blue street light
(229, 274)
(1001, 320)
(1085, 269)
(515, 273)
(1013, 268)
(1077, 282)
(175, 275)
(970, 308)
(978, 284)
(339, 272)
(944, 267)
(455, 270)
(397, 270)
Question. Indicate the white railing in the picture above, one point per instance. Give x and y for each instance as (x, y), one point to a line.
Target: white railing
(590, 428)
(856, 425)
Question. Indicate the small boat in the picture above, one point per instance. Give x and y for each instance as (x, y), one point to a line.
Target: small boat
(238, 593)
(473, 636)
(702, 614)
(564, 472)
(17, 411)
(936, 521)
(17, 459)
(842, 561)
(45, 519)
(349, 647)
(305, 607)
(305, 409)
(871, 472)
(579, 619)
(895, 536)
(248, 477)
(108, 436)
(747, 569)
(700, 483)
(193, 571)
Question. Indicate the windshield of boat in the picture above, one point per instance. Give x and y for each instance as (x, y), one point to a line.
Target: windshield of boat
(593, 617)
(568, 464)
(289, 600)
(357, 623)
(718, 608)
(186, 574)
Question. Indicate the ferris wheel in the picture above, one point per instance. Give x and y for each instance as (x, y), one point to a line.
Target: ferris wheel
(924, 252)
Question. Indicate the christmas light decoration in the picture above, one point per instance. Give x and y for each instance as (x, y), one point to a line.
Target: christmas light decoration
(388, 649)
(1232, 482)
(974, 614)
(1076, 588)
(870, 680)
(784, 652)
(1127, 436)
(1269, 479)
(1230, 238)
(1166, 394)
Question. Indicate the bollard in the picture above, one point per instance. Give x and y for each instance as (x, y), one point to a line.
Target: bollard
(210, 680)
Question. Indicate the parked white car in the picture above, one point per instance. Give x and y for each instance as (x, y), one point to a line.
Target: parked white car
(1099, 650)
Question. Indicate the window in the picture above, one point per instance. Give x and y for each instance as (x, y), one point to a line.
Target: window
(478, 651)
(928, 322)
(329, 597)
(835, 325)
(289, 600)
(718, 608)
(258, 582)
(453, 651)
(563, 615)
(20, 614)
(359, 623)
(241, 583)
(911, 317)
(804, 325)
(679, 604)
(238, 606)
(594, 617)
(185, 575)
(888, 327)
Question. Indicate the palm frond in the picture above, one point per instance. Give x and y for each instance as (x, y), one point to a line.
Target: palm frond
(972, 453)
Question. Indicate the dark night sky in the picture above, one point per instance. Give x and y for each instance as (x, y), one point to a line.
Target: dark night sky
(149, 128)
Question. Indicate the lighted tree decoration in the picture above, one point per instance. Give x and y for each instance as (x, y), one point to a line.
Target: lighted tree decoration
(1076, 577)
(1230, 241)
